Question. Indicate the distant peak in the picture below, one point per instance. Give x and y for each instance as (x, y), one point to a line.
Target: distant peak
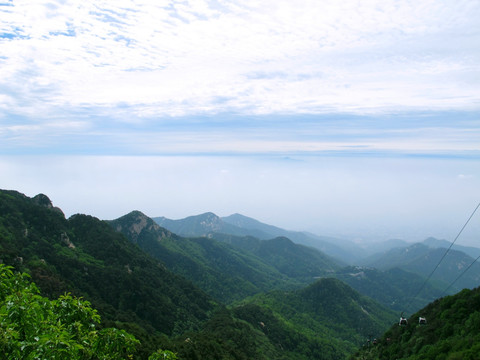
(209, 215)
(137, 214)
(135, 222)
(44, 200)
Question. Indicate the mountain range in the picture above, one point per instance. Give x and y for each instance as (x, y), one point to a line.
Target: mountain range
(120, 273)
(422, 259)
(214, 290)
(226, 273)
(209, 224)
(417, 258)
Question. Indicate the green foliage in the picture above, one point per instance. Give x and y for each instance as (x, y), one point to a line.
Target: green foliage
(223, 271)
(295, 261)
(226, 337)
(136, 294)
(86, 257)
(421, 259)
(329, 312)
(228, 268)
(34, 327)
(163, 355)
(392, 288)
(452, 332)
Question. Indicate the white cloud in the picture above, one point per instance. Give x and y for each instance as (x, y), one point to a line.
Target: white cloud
(169, 58)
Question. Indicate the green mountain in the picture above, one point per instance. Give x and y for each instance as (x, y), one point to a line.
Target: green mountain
(209, 224)
(421, 259)
(393, 288)
(437, 243)
(85, 256)
(296, 261)
(329, 310)
(202, 225)
(226, 273)
(341, 249)
(233, 267)
(136, 292)
(326, 320)
(452, 331)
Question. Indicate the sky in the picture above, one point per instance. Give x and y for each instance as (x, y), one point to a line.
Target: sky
(358, 119)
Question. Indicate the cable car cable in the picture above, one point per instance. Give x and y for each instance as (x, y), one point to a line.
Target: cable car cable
(459, 276)
(443, 257)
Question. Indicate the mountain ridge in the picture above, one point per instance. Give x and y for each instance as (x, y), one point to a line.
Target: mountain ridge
(208, 224)
(422, 259)
(452, 331)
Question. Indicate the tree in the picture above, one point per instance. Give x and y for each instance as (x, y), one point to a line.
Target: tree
(34, 327)
(162, 355)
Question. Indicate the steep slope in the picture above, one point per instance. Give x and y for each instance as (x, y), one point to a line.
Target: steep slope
(329, 309)
(293, 260)
(85, 256)
(452, 332)
(421, 259)
(393, 288)
(225, 272)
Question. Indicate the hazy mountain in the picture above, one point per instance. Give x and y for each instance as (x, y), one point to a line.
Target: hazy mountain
(293, 260)
(422, 259)
(239, 225)
(384, 246)
(221, 270)
(452, 331)
(134, 291)
(436, 243)
(393, 288)
(203, 225)
(341, 249)
(232, 268)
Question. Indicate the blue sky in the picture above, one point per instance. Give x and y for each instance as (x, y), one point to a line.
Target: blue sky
(323, 98)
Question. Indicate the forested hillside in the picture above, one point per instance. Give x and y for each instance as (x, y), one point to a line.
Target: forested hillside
(331, 310)
(294, 260)
(136, 292)
(232, 268)
(226, 273)
(85, 256)
(421, 259)
(452, 331)
(392, 288)
(211, 225)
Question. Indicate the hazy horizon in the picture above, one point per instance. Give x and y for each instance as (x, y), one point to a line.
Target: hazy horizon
(352, 119)
(356, 198)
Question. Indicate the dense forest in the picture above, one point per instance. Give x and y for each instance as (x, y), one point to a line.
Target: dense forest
(153, 293)
(452, 331)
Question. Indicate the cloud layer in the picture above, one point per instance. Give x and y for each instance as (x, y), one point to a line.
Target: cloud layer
(337, 116)
(165, 58)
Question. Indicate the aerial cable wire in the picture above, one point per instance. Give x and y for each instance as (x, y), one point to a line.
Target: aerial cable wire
(443, 257)
(459, 276)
